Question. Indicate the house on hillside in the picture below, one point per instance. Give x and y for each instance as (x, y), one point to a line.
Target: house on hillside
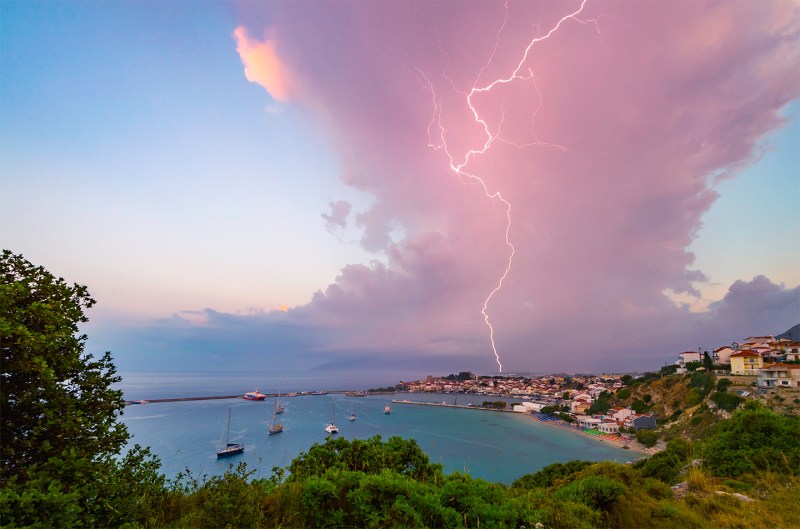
(641, 422)
(619, 414)
(779, 376)
(746, 362)
(722, 355)
(689, 356)
(792, 351)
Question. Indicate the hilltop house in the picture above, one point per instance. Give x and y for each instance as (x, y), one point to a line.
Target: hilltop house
(689, 356)
(779, 376)
(746, 362)
(792, 351)
(722, 355)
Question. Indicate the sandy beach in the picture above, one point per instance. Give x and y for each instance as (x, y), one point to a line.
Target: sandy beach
(632, 443)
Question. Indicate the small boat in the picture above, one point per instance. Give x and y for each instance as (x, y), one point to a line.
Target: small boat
(352, 414)
(278, 407)
(387, 410)
(331, 427)
(274, 428)
(254, 395)
(231, 449)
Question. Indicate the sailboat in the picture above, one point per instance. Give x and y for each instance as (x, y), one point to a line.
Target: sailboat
(331, 427)
(275, 428)
(231, 449)
(278, 407)
(352, 414)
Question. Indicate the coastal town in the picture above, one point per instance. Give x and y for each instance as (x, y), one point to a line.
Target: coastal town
(762, 363)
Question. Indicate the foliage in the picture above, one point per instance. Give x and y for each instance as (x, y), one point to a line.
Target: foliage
(670, 369)
(639, 406)
(601, 405)
(462, 375)
(723, 384)
(703, 381)
(666, 465)
(726, 401)
(59, 415)
(548, 476)
(623, 393)
(496, 404)
(371, 456)
(593, 491)
(707, 362)
(693, 366)
(647, 437)
(754, 438)
(55, 398)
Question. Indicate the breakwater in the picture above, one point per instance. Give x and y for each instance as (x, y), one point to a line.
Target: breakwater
(446, 405)
(350, 393)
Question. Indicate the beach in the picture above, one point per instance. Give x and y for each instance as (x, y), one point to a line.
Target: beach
(631, 443)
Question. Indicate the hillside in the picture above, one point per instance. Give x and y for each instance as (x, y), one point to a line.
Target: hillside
(690, 405)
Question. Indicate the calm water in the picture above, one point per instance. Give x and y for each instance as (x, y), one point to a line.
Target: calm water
(494, 446)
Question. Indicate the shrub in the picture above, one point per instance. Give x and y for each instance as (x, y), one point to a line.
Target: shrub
(647, 437)
(726, 401)
(754, 438)
(723, 384)
(547, 476)
(667, 464)
(593, 491)
(624, 393)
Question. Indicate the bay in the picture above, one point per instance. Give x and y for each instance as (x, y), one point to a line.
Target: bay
(495, 446)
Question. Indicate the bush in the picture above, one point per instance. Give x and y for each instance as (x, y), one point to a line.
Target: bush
(647, 437)
(596, 492)
(667, 464)
(723, 384)
(547, 476)
(623, 393)
(754, 438)
(726, 401)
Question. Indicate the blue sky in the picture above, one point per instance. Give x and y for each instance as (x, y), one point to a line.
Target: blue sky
(137, 159)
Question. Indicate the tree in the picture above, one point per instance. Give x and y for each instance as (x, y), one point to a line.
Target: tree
(707, 362)
(58, 413)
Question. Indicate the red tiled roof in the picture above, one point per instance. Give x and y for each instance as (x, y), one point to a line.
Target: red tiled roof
(746, 352)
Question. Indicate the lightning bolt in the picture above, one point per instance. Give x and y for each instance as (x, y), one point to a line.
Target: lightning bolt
(437, 140)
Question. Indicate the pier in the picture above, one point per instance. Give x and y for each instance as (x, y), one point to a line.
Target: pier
(446, 405)
(349, 393)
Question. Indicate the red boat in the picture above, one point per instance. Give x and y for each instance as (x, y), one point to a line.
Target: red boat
(254, 395)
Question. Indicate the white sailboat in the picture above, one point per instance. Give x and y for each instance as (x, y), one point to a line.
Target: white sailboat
(352, 414)
(274, 428)
(331, 427)
(231, 449)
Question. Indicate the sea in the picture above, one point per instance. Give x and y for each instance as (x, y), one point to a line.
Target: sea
(491, 445)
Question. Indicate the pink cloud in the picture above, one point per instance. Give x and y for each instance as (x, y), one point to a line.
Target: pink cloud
(262, 65)
(606, 152)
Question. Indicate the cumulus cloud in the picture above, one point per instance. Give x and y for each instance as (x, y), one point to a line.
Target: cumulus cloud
(262, 65)
(337, 218)
(606, 145)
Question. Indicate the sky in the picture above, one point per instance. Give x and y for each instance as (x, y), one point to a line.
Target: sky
(407, 186)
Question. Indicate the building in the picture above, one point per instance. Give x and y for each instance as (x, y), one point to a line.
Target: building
(689, 356)
(608, 427)
(779, 376)
(746, 362)
(722, 355)
(641, 422)
(792, 351)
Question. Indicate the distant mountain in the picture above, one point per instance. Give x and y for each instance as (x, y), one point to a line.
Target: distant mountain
(792, 334)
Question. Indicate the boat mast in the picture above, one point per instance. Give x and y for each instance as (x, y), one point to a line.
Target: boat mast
(228, 434)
